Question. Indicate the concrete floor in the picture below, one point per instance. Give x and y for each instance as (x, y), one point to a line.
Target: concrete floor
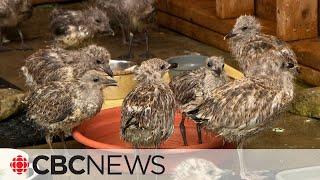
(299, 132)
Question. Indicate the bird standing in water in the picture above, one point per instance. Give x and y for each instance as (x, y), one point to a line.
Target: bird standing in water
(148, 111)
(72, 29)
(249, 45)
(57, 64)
(192, 88)
(133, 17)
(12, 14)
(242, 108)
(57, 107)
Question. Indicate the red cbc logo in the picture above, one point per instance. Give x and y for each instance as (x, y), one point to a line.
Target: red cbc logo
(19, 164)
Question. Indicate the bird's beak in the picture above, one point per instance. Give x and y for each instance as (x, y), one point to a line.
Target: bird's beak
(229, 35)
(110, 82)
(217, 71)
(110, 32)
(108, 70)
(173, 66)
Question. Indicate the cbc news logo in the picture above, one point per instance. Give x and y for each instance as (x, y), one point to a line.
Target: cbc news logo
(19, 165)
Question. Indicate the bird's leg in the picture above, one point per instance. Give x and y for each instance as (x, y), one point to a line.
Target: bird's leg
(124, 36)
(147, 54)
(199, 133)
(130, 54)
(23, 46)
(49, 140)
(2, 48)
(61, 136)
(244, 174)
(183, 129)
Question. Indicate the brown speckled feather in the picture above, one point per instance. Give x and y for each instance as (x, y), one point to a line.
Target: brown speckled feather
(192, 88)
(57, 64)
(244, 107)
(72, 28)
(252, 48)
(57, 107)
(147, 113)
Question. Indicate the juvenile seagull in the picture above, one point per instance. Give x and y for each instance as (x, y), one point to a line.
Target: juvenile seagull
(133, 16)
(249, 45)
(57, 64)
(12, 13)
(192, 88)
(73, 28)
(58, 107)
(148, 111)
(242, 108)
(199, 169)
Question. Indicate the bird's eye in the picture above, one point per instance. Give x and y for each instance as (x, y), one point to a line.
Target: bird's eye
(210, 64)
(290, 65)
(163, 67)
(96, 80)
(222, 66)
(99, 62)
(98, 21)
(244, 28)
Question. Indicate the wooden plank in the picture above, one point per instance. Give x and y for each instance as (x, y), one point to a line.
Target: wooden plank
(297, 19)
(308, 52)
(162, 5)
(192, 30)
(234, 8)
(309, 75)
(266, 9)
(203, 13)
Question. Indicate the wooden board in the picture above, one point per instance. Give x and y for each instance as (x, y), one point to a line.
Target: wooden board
(307, 51)
(266, 9)
(192, 30)
(203, 13)
(309, 75)
(297, 19)
(234, 8)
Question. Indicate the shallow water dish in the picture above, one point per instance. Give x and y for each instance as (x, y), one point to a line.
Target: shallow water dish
(124, 78)
(186, 63)
(103, 132)
(191, 62)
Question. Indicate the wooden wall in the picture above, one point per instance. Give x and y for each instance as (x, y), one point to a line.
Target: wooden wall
(266, 9)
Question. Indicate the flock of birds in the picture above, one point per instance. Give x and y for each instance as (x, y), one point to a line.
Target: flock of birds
(66, 79)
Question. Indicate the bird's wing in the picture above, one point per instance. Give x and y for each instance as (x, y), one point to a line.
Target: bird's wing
(187, 87)
(240, 103)
(279, 46)
(50, 104)
(144, 104)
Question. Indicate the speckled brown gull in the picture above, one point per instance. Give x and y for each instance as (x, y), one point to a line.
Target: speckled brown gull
(72, 29)
(58, 107)
(148, 111)
(192, 88)
(57, 64)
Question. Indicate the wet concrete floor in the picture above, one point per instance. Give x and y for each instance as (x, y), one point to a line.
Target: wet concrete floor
(290, 131)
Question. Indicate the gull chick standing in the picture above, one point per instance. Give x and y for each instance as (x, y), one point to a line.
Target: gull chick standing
(72, 29)
(57, 107)
(192, 88)
(148, 111)
(57, 64)
(252, 48)
(12, 13)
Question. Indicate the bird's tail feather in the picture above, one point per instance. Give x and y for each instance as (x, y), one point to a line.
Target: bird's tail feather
(17, 131)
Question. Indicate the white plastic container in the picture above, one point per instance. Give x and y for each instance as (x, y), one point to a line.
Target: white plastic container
(308, 173)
